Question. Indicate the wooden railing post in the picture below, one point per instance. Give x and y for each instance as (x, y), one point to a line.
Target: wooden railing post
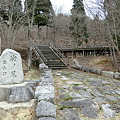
(30, 57)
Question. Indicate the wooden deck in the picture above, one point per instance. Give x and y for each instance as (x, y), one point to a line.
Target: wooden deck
(85, 51)
(81, 49)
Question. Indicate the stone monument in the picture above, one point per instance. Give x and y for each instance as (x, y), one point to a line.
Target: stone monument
(10, 67)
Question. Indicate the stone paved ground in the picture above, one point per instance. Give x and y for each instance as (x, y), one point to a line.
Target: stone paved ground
(86, 96)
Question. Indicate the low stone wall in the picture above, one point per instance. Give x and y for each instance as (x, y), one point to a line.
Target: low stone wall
(115, 75)
(45, 94)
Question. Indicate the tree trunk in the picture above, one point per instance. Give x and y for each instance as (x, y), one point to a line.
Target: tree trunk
(0, 46)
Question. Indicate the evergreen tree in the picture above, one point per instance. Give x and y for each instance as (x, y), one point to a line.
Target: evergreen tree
(78, 26)
(41, 11)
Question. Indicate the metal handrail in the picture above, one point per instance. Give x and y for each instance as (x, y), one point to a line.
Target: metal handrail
(58, 53)
(40, 53)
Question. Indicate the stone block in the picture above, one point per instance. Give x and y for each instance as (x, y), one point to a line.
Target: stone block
(44, 91)
(42, 67)
(85, 69)
(76, 65)
(11, 67)
(98, 71)
(45, 109)
(92, 70)
(108, 74)
(117, 75)
(47, 73)
(20, 94)
(4, 93)
(46, 81)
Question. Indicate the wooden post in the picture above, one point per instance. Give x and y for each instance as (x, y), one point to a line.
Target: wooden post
(29, 57)
(94, 53)
(72, 54)
(83, 53)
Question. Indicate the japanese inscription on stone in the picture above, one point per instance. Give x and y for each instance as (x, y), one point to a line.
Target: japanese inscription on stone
(10, 67)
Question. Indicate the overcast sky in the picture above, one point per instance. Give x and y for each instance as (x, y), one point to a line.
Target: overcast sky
(64, 6)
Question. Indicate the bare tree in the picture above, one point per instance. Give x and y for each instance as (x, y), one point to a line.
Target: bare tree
(15, 19)
(108, 11)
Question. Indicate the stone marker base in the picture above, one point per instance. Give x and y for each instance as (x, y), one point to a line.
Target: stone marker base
(17, 93)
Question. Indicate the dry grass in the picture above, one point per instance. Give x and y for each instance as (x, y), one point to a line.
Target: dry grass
(17, 114)
(101, 62)
(33, 74)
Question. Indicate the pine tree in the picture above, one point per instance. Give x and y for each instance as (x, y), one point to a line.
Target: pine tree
(41, 11)
(78, 26)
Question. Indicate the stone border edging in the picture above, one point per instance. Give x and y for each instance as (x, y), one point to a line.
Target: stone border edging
(115, 75)
(44, 95)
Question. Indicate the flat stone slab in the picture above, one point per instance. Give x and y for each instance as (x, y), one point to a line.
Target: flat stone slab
(97, 94)
(111, 98)
(90, 112)
(108, 113)
(85, 94)
(100, 100)
(45, 109)
(79, 87)
(96, 83)
(11, 67)
(78, 103)
(64, 78)
(65, 87)
(74, 83)
(70, 114)
(116, 107)
(75, 95)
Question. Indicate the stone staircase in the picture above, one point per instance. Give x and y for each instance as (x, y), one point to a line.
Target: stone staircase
(51, 56)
